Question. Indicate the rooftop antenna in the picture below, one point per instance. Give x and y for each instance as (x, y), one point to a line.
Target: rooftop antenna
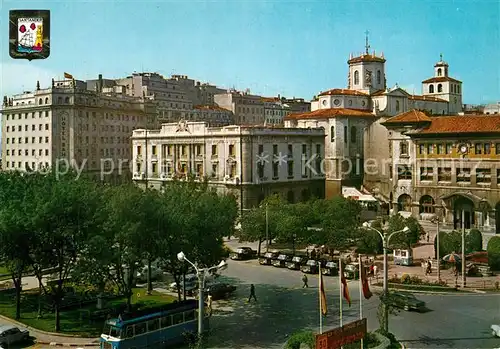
(367, 45)
(440, 57)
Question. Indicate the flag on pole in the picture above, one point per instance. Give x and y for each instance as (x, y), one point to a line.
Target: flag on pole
(345, 289)
(322, 295)
(68, 76)
(364, 280)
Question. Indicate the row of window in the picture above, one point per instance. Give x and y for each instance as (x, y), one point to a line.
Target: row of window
(20, 128)
(26, 152)
(152, 325)
(453, 88)
(354, 134)
(26, 140)
(34, 166)
(378, 76)
(446, 148)
(444, 174)
(26, 115)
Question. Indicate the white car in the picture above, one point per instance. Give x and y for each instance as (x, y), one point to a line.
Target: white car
(495, 330)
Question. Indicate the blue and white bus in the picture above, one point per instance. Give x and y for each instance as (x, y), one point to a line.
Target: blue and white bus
(158, 327)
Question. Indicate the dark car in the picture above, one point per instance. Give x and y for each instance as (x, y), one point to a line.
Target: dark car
(268, 257)
(403, 300)
(220, 290)
(10, 335)
(296, 263)
(331, 268)
(243, 253)
(281, 261)
(311, 267)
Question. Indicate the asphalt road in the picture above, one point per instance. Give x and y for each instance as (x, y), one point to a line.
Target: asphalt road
(452, 321)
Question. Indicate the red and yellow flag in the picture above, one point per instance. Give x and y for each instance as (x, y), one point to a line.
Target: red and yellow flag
(322, 295)
(364, 280)
(68, 76)
(345, 289)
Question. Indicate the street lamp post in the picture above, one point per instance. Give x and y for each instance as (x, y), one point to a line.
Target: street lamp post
(267, 229)
(200, 273)
(385, 241)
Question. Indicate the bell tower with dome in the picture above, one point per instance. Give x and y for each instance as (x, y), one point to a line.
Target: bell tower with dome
(367, 71)
(444, 87)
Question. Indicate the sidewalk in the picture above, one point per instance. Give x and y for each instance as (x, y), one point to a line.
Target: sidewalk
(50, 338)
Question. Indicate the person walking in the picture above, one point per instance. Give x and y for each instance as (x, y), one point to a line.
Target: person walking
(209, 304)
(375, 270)
(304, 280)
(252, 293)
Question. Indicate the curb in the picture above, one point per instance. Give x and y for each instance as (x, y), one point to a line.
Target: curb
(429, 292)
(55, 334)
(56, 344)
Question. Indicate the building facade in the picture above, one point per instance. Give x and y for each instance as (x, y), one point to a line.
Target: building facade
(447, 166)
(67, 122)
(248, 109)
(249, 162)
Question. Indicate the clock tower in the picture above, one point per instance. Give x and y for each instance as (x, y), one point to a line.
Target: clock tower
(367, 71)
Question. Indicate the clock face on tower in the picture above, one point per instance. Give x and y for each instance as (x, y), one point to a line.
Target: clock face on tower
(463, 148)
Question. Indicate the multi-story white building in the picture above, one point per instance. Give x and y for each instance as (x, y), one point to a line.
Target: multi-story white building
(353, 119)
(277, 108)
(249, 162)
(247, 109)
(199, 93)
(493, 108)
(68, 122)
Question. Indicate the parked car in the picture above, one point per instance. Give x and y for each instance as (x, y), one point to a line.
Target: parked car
(220, 290)
(296, 263)
(243, 253)
(331, 268)
(495, 330)
(351, 271)
(403, 300)
(282, 259)
(156, 274)
(10, 334)
(268, 257)
(311, 267)
(190, 281)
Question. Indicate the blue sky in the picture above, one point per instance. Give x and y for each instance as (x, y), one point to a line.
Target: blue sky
(295, 48)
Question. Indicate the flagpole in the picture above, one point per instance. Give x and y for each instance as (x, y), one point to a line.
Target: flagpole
(340, 289)
(360, 294)
(320, 303)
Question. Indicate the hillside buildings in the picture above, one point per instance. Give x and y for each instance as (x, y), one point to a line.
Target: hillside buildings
(250, 162)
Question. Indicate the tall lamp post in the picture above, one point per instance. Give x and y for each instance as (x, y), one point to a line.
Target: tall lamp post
(385, 241)
(200, 273)
(438, 257)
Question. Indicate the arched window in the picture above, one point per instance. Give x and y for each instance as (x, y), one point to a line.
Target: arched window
(356, 77)
(440, 72)
(427, 204)
(404, 203)
(47, 100)
(40, 101)
(440, 88)
(397, 106)
(332, 133)
(353, 134)
(379, 78)
(431, 88)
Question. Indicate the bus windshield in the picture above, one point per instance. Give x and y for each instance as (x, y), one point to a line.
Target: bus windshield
(112, 331)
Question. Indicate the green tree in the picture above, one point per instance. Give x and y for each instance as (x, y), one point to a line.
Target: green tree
(64, 214)
(473, 241)
(494, 253)
(404, 239)
(292, 226)
(369, 242)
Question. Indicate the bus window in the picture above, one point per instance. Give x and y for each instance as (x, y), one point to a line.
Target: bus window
(153, 325)
(140, 328)
(189, 315)
(178, 318)
(115, 332)
(166, 321)
(129, 331)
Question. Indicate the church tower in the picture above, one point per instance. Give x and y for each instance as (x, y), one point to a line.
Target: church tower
(444, 87)
(367, 71)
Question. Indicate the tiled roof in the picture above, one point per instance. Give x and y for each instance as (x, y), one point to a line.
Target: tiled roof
(463, 124)
(440, 79)
(270, 99)
(427, 98)
(329, 113)
(341, 91)
(411, 116)
(366, 58)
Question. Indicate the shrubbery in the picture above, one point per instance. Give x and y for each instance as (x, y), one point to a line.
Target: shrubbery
(302, 337)
(494, 253)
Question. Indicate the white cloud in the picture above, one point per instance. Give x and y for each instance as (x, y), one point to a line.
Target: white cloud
(18, 77)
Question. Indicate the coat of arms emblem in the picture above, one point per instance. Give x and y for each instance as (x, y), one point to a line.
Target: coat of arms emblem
(29, 34)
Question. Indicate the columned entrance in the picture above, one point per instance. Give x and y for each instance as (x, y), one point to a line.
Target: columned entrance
(463, 209)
